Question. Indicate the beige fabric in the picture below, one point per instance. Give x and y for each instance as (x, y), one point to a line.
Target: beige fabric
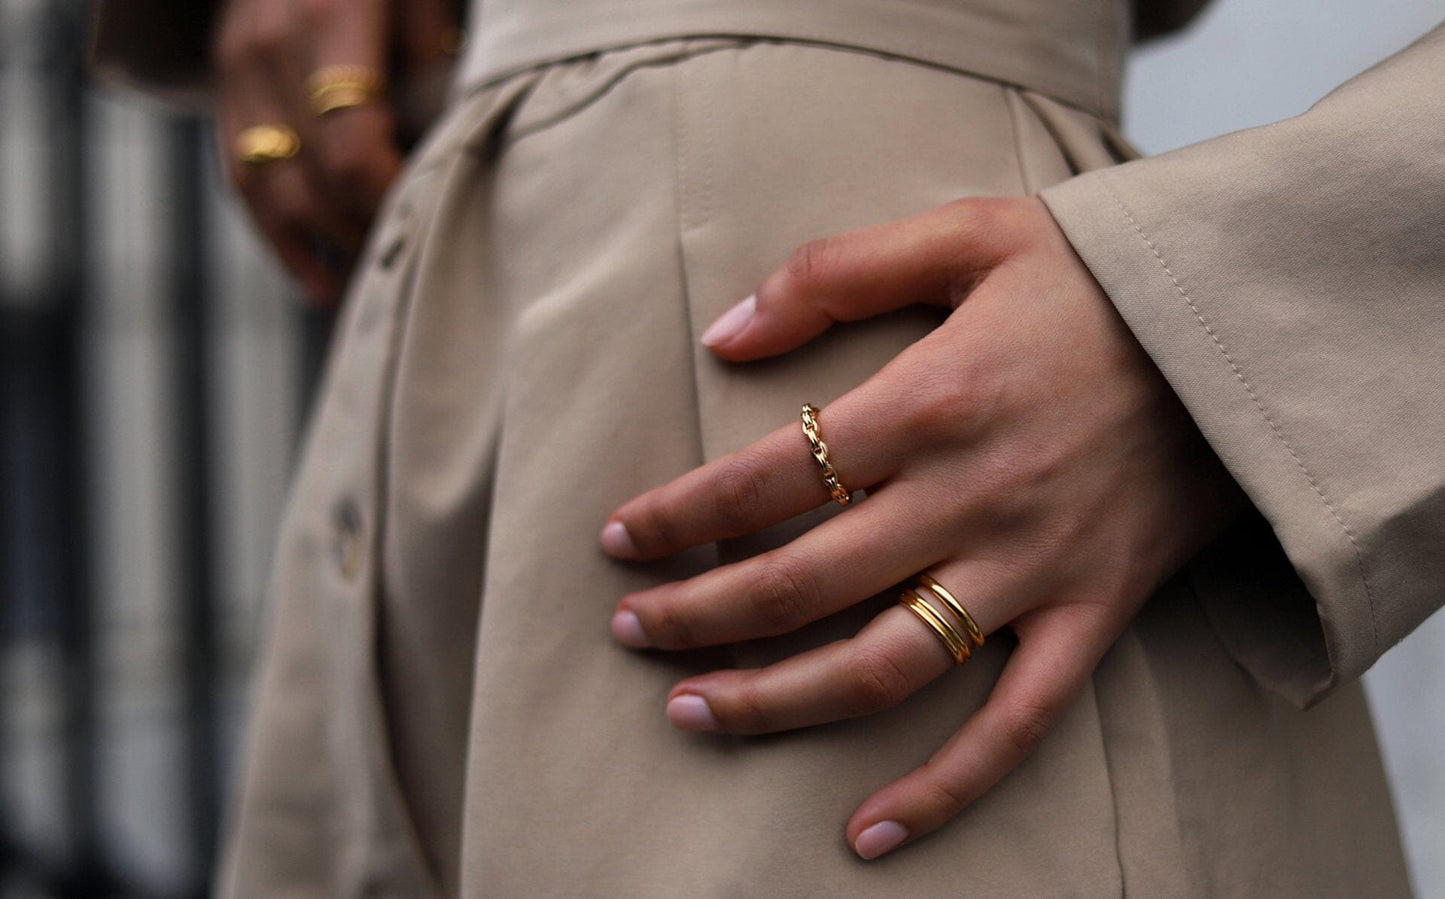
(443, 711)
(1288, 281)
(1070, 49)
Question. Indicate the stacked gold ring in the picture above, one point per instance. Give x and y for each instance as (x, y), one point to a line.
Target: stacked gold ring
(261, 144)
(343, 86)
(841, 495)
(955, 641)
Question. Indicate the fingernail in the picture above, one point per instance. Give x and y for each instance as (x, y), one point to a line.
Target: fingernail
(731, 324)
(627, 630)
(885, 836)
(617, 542)
(689, 712)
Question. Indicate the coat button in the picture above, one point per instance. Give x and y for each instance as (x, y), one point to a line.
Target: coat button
(348, 545)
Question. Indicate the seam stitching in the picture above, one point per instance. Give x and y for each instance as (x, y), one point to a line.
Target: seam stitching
(1258, 404)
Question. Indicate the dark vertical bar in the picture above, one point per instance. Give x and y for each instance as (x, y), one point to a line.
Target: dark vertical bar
(197, 581)
(68, 477)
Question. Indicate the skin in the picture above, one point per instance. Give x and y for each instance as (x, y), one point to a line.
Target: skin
(314, 209)
(1026, 453)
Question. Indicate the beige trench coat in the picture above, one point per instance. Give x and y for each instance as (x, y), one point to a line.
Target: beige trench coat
(442, 711)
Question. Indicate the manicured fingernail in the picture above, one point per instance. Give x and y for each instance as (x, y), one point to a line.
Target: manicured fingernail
(688, 712)
(627, 630)
(885, 836)
(731, 323)
(617, 542)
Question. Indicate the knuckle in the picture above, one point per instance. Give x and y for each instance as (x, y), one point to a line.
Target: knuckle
(670, 627)
(942, 402)
(877, 682)
(1025, 726)
(652, 530)
(807, 267)
(749, 712)
(946, 797)
(784, 593)
(739, 494)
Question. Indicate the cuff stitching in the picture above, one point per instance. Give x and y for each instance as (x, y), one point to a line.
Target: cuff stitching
(1258, 404)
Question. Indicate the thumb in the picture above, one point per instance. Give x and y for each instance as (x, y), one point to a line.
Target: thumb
(935, 258)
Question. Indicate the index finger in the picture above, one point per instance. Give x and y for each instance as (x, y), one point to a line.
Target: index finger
(762, 484)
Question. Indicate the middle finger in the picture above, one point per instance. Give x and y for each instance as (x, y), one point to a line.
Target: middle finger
(840, 562)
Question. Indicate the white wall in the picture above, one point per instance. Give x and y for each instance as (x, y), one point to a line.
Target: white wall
(1248, 62)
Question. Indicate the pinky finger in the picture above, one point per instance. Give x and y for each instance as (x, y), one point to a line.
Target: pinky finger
(1051, 664)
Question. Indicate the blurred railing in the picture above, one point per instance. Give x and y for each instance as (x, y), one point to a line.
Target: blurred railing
(152, 375)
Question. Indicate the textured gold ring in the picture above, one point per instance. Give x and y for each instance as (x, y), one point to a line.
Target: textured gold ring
(970, 626)
(819, 449)
(953, 641)
(343, 86)
(262, 144)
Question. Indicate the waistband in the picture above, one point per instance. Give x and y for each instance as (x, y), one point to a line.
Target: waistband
(1071, 50)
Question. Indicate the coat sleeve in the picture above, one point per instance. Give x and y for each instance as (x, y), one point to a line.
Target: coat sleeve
(1289, 282)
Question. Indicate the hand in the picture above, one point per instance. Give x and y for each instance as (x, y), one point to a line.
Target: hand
(1026, 454)
(314, 209)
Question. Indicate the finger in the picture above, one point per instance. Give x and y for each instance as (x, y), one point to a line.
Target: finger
(1057, 652)
(295, 222)
(839, 563)
(358, 161)
(355, 147)
(867, 438)
(935, 258)
(889, 659)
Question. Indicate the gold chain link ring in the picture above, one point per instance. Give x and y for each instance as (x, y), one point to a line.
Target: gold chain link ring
(819, 449)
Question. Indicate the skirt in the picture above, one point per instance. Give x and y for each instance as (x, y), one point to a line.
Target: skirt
(442, 710)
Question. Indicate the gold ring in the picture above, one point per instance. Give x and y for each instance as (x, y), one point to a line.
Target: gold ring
(819, 450)
(261, 144)
(969, 625)
(952, 640)
(343, 86)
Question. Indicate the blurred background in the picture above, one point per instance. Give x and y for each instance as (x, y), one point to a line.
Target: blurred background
(154, 372)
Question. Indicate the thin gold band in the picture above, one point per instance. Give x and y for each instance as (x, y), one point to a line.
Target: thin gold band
(819, 449)
(969, 625)
(261, 144)
(343, 86)
(952, 640)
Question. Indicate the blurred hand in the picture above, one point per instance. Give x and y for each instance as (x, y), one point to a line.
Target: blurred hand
(315, 208)
(1026, 454)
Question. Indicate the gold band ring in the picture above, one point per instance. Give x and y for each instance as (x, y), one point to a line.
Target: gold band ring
(970, 626)
(952, 640)
(943, 625)
(261, 144)
(343, 86)
(819, 449)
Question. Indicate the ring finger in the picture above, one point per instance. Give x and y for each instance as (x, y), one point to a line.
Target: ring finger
(891, 658)
(839, 563)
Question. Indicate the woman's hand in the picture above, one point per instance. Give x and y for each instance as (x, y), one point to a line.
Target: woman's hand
(315, 207)
(1026, 454)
